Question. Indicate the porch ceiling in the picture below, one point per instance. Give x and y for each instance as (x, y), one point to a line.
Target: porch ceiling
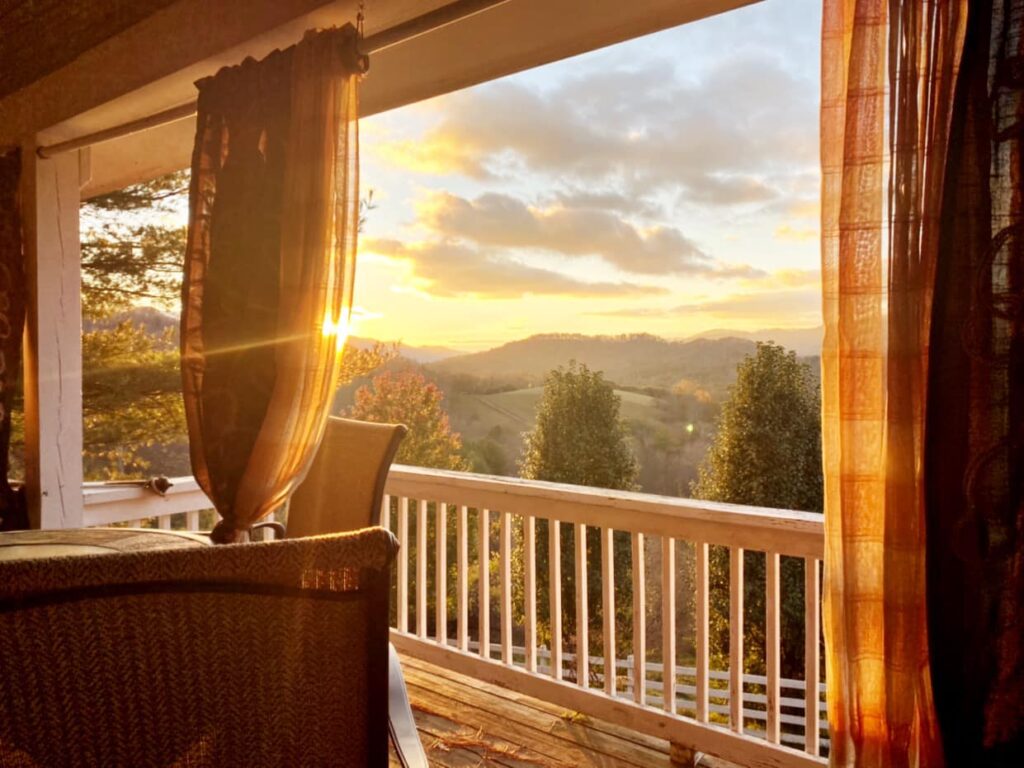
(40, 36)
(152, 65)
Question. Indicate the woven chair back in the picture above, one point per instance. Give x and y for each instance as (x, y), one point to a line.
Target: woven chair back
(268, 654)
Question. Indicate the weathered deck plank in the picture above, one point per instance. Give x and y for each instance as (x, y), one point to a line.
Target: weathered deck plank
(465, 722)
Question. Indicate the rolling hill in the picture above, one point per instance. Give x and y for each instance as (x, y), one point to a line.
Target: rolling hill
(806, 342)
(628, 361)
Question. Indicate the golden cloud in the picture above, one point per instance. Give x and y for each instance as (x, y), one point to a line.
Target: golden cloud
(786, 232)
(447, 269)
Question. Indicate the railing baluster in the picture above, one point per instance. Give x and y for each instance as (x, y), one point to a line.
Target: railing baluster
(555, 596)
(506, 587)
(462, 573)
(582, 617)
(771, 643)
(639, 621)
(530, 590)
(385, 512)
(668, 623)
(403, 564)
(608, 608)
(164, 522)
(736, 639)
(192, 520)
(484, 585)
(701, 548)
(812, 669)
(441, 575)
(421, 569)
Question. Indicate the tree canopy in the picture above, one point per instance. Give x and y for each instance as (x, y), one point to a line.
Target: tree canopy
(578, 436)
(767, 448)
(407, 397)
(767, 453)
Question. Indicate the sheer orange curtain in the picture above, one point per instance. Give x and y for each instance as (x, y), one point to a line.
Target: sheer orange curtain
(888, 73)
(269, 269)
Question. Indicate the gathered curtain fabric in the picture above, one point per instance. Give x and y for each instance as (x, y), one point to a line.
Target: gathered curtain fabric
(269, 269)
(13, 512)
(889, 71)
(975, 420)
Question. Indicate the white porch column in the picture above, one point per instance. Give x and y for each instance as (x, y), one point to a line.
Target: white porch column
(53, 340)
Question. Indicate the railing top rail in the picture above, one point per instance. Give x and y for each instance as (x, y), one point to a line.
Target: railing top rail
(793, 533)
(105, 492)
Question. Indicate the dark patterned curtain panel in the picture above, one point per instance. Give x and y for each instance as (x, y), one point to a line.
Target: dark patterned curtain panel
(269, 269)
(975, 449)
(12, 323)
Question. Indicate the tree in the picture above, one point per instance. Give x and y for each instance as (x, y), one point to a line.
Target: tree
(407, 397)
(133, 413)
(766, 452)
(132, 254)
(579, 437)
(133, 247)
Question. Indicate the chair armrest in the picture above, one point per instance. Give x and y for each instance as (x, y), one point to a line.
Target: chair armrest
(401, 725)
(279, 530)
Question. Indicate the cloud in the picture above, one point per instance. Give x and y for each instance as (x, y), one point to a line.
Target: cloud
(606, 201)
(446, 269)
(805, 209)
(500, 221)
(741, 133)
(792, 278)
(786, 232)
(503, 221)
(782, 307)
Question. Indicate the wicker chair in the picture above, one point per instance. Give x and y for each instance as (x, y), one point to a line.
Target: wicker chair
(343, 491)
(270, 654)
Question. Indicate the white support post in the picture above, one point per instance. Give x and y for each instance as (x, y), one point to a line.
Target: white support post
(53, 341)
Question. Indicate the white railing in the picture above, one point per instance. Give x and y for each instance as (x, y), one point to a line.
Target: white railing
(668, 686)
(113, 503)
(721, 709)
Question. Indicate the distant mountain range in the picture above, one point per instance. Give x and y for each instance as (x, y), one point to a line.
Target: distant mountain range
(632, 361)
(152, 320)
(708, 359)
(428, 354)
(806, 342)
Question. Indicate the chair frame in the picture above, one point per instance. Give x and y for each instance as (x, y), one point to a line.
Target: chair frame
(400, 722)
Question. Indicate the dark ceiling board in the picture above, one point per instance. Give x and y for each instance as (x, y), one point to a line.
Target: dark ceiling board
(40, 36)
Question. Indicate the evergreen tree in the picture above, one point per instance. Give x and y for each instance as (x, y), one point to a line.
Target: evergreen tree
(766, 453)
(579, 438)
(133, 246)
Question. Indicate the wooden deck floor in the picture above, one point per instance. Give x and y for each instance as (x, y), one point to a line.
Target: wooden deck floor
(465, 722)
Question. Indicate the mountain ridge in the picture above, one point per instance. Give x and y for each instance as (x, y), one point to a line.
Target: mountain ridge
(630, 360)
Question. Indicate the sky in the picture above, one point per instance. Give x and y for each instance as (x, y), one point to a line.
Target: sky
(666, 185)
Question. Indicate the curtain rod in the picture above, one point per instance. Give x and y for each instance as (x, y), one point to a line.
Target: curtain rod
(407, 30)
